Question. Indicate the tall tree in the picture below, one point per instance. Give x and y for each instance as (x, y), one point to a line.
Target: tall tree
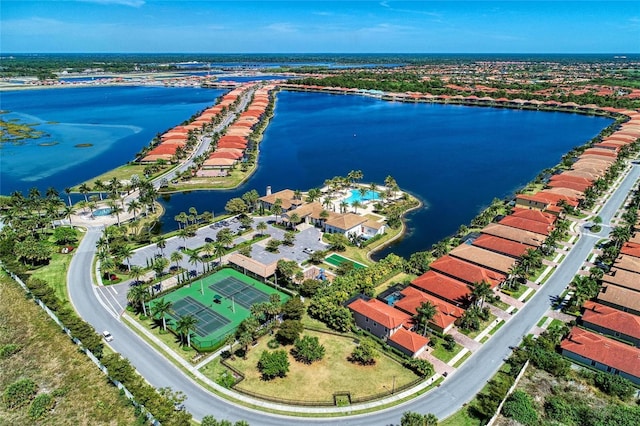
(424, 314)
(161, 308)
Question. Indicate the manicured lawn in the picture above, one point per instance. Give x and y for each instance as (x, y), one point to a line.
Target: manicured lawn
(320, 380)
(483, 325)
(55, 274)
(460, 418)
(168, 338)
(121, 173)
(542, 320)
(500, 305)
(462, 359)
(444, 355)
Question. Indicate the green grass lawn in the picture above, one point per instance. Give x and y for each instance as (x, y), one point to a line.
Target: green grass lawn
(55, 274)
(483, 325)
(444, 355)
(123, 172)
(497, 327)
(400, 277)
(542, 320)
(500, 305)
(461, 418)
(320, 380)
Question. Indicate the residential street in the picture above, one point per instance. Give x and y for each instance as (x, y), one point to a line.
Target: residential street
(456, 390)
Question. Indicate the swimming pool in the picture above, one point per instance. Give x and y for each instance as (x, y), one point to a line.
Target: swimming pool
(106, 211)
(356, 196)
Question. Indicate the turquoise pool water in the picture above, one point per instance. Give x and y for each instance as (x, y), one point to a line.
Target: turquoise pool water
(106, 211)
(356, 196)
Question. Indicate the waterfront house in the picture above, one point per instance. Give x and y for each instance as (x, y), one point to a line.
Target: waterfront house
(466, 272)
(501, 245)
(287, 199)
(345, 224)
(485, 258)
(446, 313)
(612, 322)
(446, 288)
(602, 353)
(526, 224)
(514, 234)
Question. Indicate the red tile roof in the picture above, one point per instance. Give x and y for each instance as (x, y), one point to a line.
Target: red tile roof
(501, 245)
(612, 319)
(380, 312)
(444, 287)
(565, 177)
(632, 249)
(526, 224)
(409, 340)
(446, 313)
(603, 350)
(536, 215)
(466, 271)
(566, 184)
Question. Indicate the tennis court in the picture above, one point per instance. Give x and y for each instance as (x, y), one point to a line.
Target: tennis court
(219, 302)
(337, 260)
(208, 320)
(241, 293)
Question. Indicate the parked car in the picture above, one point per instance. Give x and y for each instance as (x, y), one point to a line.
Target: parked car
(107, 336)
(307, 250)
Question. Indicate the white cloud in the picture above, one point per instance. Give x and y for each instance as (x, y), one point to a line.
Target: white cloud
(282, 27)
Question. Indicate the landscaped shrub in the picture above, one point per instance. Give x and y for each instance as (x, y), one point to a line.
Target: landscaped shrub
(273, 364)
(289, 331)
(365, 353)
(41, 405)
(519, 407)
(19, 393)
(421, 367)
(307, 350)
(559, 409)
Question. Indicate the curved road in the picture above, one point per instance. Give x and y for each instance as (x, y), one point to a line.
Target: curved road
(456, 390)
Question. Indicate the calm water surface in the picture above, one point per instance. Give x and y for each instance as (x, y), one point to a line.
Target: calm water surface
(116, 121)
(456, 159)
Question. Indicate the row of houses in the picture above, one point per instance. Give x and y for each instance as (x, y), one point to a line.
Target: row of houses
(609, 339)
(176, 138)
(231, 147)
(491, 256)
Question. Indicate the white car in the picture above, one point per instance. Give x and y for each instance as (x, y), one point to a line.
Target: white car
(107, 336)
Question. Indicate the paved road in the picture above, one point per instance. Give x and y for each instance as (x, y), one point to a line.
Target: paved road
(455, 391)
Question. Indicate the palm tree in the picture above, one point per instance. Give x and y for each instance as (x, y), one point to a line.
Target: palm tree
(161, 308)
(261, 227)
(138, 295)
(355, 205)
(619, 235)
(181, 218)
(225, 237)
(276, 209)
(294, 219)
(194, 259)
(425, 313)
(185, 326)
(161, 243)
(219, 250)
(313, 194)
(115, 209)
(343, 206)
(67, 191)
(107, 265)
(84, 190)
(176, 257)
(136, 272)
(134, 206)
(126, 253)
(99, 186)
(480, 292)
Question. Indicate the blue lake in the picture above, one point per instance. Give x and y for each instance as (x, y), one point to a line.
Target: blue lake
(116, 121)
(456, 159)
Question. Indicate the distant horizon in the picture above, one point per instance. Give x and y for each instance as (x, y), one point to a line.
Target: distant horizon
(308, 27)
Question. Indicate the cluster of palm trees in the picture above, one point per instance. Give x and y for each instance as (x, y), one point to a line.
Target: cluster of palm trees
(29, 221)
(522, 269)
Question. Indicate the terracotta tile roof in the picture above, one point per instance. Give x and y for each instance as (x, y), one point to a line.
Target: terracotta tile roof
(581, 187)
(556, 198)
(565, 177)
(622, 278)
(379, 312)
(619, 296)
(628, 263)
(600, 151)
(219, 162)
(583, 174)
(514, 234)
(612, 319)
(465, 271)
(566, 192)
(635, 238)
(346, 221)
(632, 249)
(409, 340)
(501, 245)
(444, 287)
(482, 257)
(231, 155)
(526, 224)
(446, 313)
(286, 196)
(535, 215)
(603, 350)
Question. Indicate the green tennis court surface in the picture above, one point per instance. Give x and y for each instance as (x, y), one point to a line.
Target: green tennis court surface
(219, 302)
(337, 260)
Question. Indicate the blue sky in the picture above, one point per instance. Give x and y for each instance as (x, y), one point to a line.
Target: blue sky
(157, 26)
